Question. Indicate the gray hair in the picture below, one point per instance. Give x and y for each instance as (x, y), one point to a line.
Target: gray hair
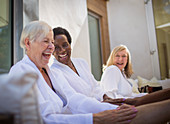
(35, 30)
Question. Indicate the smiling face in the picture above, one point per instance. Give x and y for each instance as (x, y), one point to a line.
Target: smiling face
(40, 50)
(120, 59)
(62, 50)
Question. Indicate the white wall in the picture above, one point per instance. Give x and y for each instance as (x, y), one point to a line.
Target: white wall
(128, 26)
(72, 15)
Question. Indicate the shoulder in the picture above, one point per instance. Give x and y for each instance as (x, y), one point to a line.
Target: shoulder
(79, 61)
(55, 70)
(21, 67)
(112, 68)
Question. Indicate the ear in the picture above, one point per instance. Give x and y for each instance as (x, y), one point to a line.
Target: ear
(27, 43)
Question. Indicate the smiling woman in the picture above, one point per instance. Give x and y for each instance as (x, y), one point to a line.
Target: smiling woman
(41, 36)
(75, 69)
(118, 68)
(62, 50)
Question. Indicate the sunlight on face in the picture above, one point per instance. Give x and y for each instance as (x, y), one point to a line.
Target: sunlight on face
(41, 50)
(62, 51)
(120, 59)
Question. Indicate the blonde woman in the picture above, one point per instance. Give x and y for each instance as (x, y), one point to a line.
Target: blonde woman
(116, 72)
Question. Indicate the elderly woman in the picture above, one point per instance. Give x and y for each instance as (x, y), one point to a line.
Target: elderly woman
(114, 78)
(57, 100)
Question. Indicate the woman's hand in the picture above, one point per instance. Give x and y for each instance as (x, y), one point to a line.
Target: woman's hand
(122, 115)
(113, 101)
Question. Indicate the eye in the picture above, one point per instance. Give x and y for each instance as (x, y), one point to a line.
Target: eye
(65, 45)
(117, 56)
(124, 56)
(46, 41)
(57, 47)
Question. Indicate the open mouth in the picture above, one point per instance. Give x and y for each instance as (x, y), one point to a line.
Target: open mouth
(61, 56)
(47, 55)
(119, 63)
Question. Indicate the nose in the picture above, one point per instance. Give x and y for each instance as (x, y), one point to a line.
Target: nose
(51, 45)
(120, 58)
(62, 49)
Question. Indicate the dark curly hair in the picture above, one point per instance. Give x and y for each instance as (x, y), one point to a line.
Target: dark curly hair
(62, 31)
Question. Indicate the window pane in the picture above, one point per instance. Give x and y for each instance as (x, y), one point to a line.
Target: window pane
(5, 36)
(161, 9)
(95, 47)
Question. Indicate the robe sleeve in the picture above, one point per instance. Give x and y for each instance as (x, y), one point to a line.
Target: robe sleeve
(81, 106)
(52, 116)
(48, 112)
(79, 103)
(97, 91)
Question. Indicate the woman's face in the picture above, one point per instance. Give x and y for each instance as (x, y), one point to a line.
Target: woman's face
(62, 50)
(40, 50)
(120, 59)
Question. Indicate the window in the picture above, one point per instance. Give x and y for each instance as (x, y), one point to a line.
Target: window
(5, 36)
(161, 9)
(99, 35)
(95, 45)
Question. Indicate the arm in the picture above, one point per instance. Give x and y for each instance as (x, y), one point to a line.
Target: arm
(150, 98)
(52, 115)
(155, 113)
(113, 101)
(77, 101)
(84, 105)
(96, 91)
(124, 114)
(110, 80)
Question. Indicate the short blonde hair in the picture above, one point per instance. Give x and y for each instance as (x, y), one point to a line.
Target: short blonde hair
(128, 68)
(33, 31)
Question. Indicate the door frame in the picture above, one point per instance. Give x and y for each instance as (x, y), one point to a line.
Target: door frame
(152, 39)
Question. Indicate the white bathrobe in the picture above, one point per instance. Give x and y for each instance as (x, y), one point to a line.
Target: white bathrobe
(116, 85)
(51, 106)
(85, 82)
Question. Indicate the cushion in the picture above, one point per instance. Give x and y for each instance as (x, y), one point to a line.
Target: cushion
(144, 82)
(148, 86)
(18, 98)
(165, 83)
(134, 85)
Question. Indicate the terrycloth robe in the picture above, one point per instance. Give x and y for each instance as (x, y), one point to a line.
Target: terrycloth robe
(51, 105)
(116, 85)
(85, 82)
